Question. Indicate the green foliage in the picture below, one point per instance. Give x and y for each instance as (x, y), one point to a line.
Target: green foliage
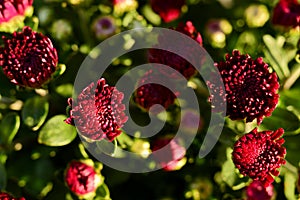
(36, 144)
(277, 57)
(229, 175)
(9, 127)
(56, 132)
(102, 193)
(290, 185)
(65, 90)
(292, 145)
(283, 118)
(35, 111)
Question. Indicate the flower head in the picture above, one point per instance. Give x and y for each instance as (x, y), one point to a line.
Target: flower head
(5, 196)
(287, 13)
(168, 10)
(172, 60)
(174, 158)
(104, 27)
(81, 178)
(98, 111)
(259, 154)
(257, 191)
(12, 13)
(28, 58)
(251, 90)
(149, 94)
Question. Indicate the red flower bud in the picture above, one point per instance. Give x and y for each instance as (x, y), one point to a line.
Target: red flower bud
(257, 191)
(5, 196)
(82, 179)
(168, 10)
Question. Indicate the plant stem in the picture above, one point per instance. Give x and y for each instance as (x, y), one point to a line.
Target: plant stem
(292, 78)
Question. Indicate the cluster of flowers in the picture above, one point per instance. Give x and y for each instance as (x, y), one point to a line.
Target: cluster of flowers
(98, 111)
(251, 93)
(28, 59)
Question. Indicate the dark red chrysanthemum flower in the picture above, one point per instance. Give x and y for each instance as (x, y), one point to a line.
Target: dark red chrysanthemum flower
(98, 111)
(81, 178)
(168, 10)
(28, 58)
(251, 90)
(175, 153)
(172, 60)
(12, 8)
(5, 196)
(259, 154)
(287, 13)
(257, 191)
(149, 94)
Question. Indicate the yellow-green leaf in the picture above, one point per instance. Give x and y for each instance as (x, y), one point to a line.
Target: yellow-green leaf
(56, 132)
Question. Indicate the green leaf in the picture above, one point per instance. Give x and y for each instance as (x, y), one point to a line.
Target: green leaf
(290, 98)
(65, 90)
(102, 193)
(247, 42)
(35, 111)
(290, 186)
(25, 169)
(230, 175)
(2, 177)
(228, 136)
(228, 170)
(293, 149)
(60, 69)
(56, 132)
(9, 127)
(275, 54)
(282, 118)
